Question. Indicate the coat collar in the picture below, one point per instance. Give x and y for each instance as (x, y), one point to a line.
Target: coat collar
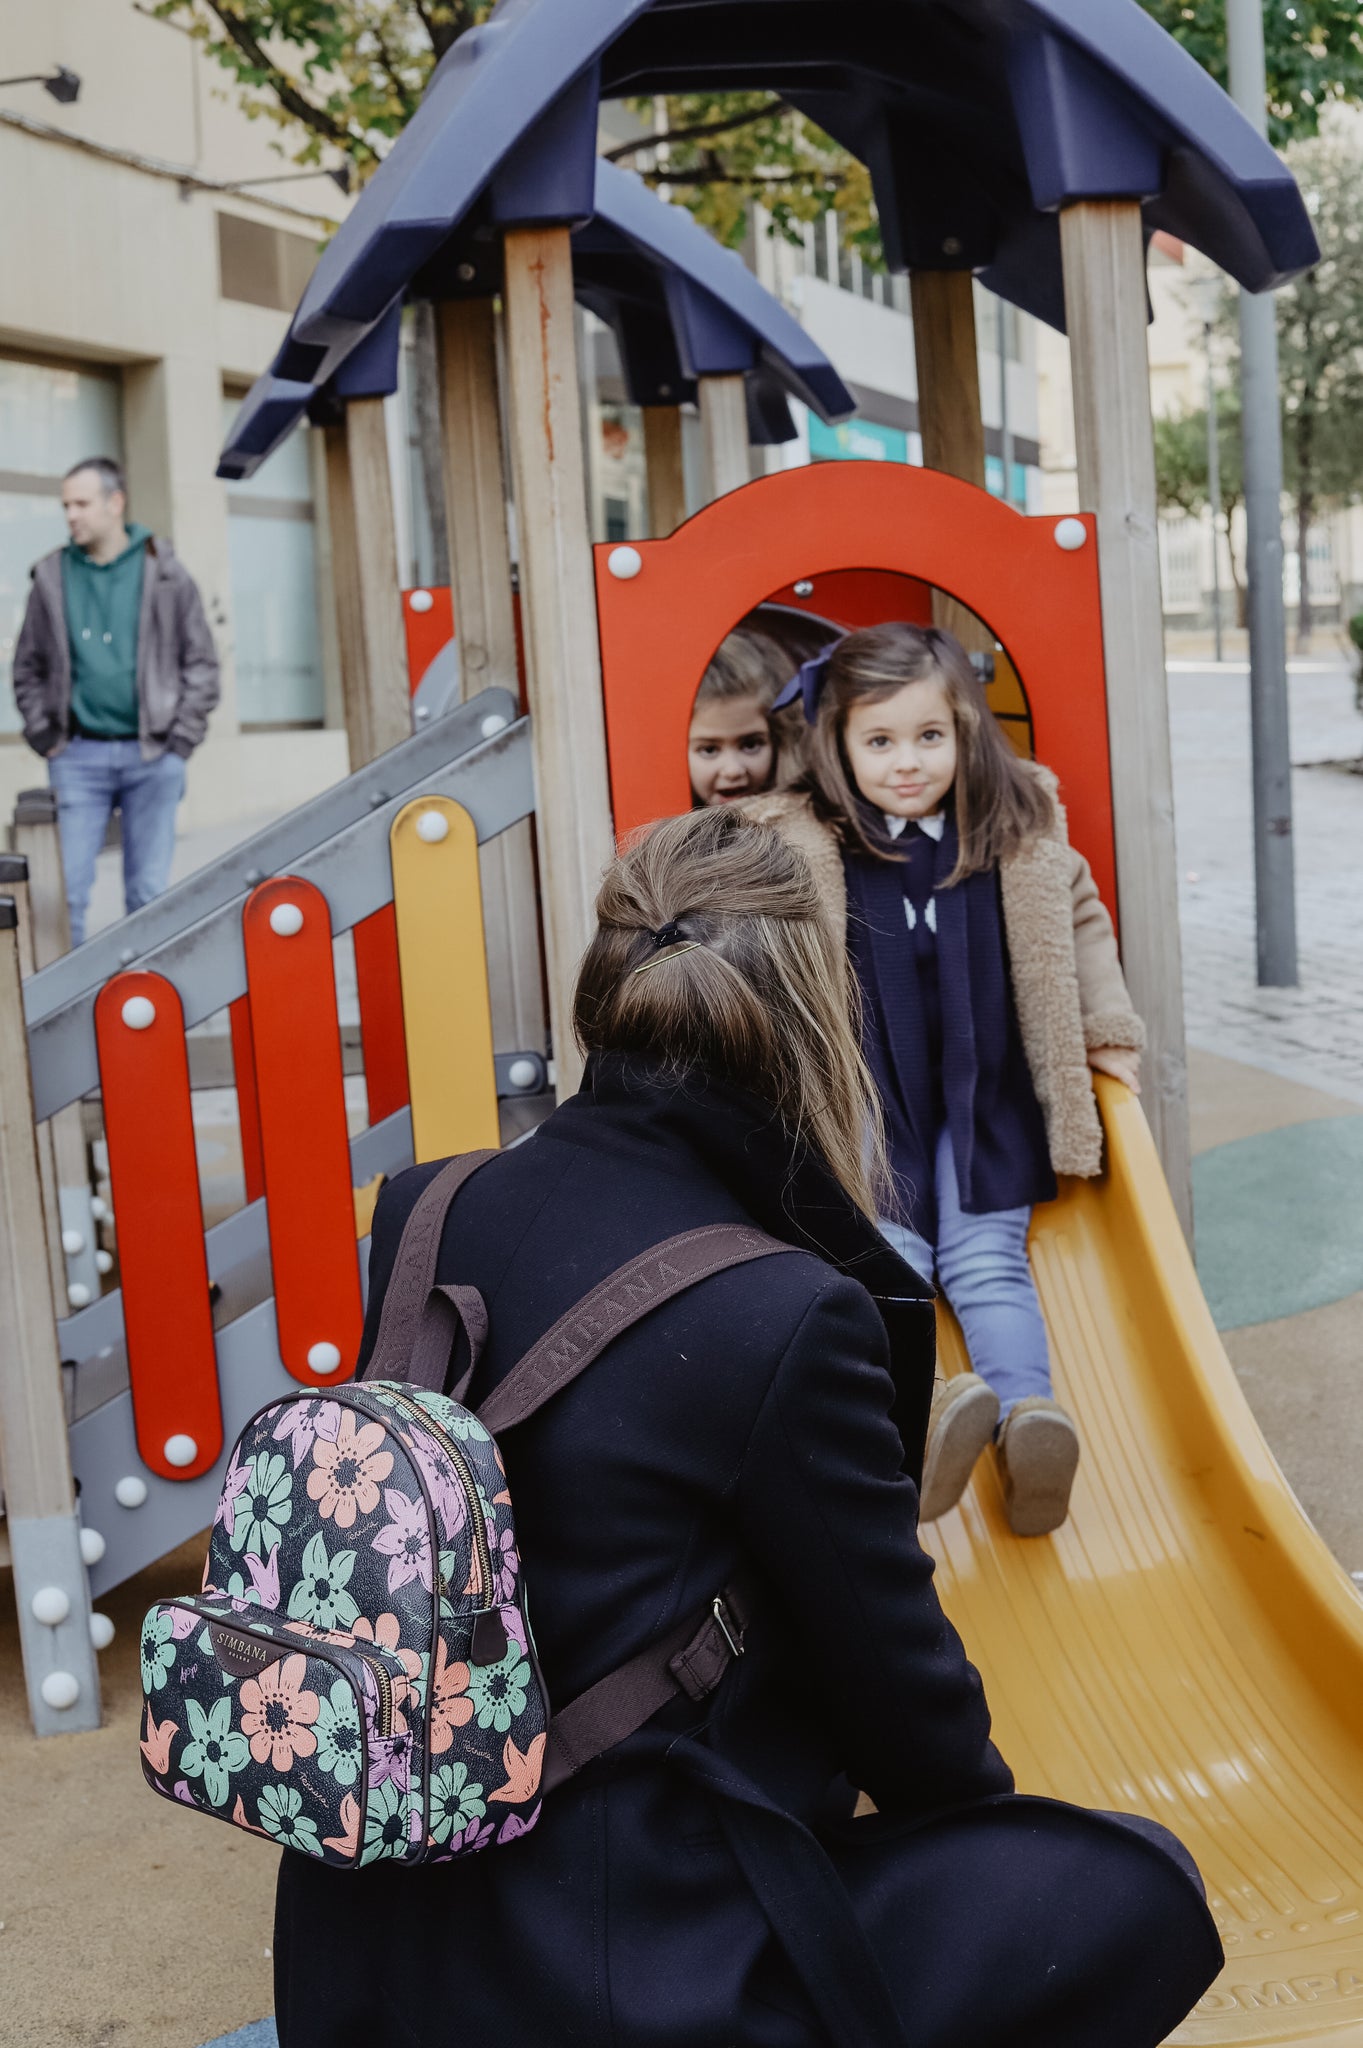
(676, 1121)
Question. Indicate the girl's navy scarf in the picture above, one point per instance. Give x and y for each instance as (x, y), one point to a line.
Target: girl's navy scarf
(984, 1088)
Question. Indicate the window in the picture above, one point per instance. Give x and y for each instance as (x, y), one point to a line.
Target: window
(51, 415)
(264, 266)
(272, 557)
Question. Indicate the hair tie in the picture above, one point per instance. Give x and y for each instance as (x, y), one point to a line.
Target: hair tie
(667, 935)
(807, 681)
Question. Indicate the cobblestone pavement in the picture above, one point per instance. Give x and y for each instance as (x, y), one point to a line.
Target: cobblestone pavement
(1313, 1033)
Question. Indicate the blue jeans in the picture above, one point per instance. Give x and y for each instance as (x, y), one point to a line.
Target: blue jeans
(90, 778)
(980, 1264)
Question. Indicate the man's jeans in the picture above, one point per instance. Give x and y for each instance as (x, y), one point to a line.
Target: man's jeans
(89, 778)
(980, 1264)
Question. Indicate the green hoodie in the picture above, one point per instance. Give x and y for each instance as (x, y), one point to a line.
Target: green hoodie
(103, 603)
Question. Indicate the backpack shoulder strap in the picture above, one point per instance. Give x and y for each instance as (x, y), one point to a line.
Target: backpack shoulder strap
(413, 1275)
(579, 1337)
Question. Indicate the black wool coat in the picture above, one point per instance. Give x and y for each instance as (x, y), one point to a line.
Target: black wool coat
(704, 1884)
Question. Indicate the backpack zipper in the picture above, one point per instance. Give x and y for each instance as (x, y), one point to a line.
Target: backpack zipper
(477, 1526)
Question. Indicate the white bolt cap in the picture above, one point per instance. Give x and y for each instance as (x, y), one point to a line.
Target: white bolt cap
(104, 1262)
(180, 1450)
(138, 1012)
(804, 588)
(523, 1073)
(131, 1492)
(92, 1546)
(50, 1606)
(99, 1208)
(78, 1294)
(1070, 534)
(420, 600)
(324, 1358)
(101, 1631)
(60, 1689)
(73, 1244)
(493, 723)
(286, 919)
(624, 563)
(432, 826)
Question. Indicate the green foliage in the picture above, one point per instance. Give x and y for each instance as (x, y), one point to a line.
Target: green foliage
(1320, 330)
(347, 72)
(1356, 630)
(1182, 475)
(1313, 54)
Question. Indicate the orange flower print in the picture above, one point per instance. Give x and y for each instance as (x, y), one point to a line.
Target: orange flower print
(523, 1769)
(345, 1477)
(277, 1714)
(384, 1634)
(450, 1704)
(346, 1843)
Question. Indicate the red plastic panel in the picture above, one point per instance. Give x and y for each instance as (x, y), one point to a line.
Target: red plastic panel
(297, 1036)
(381, 1027)
(659, 628)
(154, 1174)
(248, 1105)
(860, 597)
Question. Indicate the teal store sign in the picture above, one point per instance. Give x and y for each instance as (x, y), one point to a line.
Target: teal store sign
(856, 441)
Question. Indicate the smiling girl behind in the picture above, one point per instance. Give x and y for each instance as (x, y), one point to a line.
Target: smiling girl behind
(990, 985)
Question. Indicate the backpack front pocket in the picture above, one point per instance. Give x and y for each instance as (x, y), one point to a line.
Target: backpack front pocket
(297, 1736)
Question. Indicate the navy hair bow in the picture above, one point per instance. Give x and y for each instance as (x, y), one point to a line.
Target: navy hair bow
(807, 682)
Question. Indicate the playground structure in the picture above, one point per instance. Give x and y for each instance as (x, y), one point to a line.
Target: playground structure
(1185, 1646)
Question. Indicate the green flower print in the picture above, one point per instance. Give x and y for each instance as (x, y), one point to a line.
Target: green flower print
(454, 1802)
(498, 1690)
(158, 1651)
(217, 1749)
(320, 1595)
(385, 1823)
(264, 1504)
(340, 1747)
(280, 1808)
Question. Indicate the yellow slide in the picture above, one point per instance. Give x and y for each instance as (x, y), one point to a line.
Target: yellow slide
(1185, 1646)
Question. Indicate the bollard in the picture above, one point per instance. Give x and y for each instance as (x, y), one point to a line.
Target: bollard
(51, 1589)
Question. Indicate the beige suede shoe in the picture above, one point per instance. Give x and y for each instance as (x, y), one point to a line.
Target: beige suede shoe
(964, 1412)
(1038, 1452)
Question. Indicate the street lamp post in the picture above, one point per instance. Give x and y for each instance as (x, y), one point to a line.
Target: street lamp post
(1213, 485)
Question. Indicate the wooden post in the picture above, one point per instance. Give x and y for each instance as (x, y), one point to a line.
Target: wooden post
(950, 419)
(666, 469)
(51, 1590)
(558, 612)
(14, 883)
(485, 628)
(46, 937)
(724, 428)
(1105, 307)
(365, 574)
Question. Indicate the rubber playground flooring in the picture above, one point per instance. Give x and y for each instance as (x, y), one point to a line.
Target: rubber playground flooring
(123, 1925)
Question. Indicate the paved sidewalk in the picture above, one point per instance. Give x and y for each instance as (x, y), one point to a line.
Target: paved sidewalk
(1312, 1034)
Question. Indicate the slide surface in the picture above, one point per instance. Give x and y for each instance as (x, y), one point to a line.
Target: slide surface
(1185, 1646)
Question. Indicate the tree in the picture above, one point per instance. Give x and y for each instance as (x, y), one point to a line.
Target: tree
(1312, 53)
(1182, 472)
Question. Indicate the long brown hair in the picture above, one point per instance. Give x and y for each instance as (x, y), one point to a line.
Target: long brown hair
(1000, 803)
(752, 987)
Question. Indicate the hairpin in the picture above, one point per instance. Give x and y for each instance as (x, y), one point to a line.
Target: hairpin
(687, 946)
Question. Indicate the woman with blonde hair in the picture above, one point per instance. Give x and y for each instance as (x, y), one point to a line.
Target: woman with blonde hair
(746, 1452)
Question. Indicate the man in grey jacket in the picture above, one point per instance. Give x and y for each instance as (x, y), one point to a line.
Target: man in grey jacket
(115, 673)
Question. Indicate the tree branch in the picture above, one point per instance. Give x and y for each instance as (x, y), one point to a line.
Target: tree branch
(697, 129)
(290, 98)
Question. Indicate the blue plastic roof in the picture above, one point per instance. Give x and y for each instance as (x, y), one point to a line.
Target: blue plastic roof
(977, 118)
(681, 307)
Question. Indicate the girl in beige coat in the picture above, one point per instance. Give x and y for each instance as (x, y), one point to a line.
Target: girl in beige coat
(990, 986)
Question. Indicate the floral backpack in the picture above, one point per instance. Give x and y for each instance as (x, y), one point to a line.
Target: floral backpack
(357, 1678)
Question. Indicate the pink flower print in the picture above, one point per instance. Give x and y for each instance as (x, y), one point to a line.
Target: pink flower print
(327, 1419)
(390, 1759)
(475, 1836)
(346, 1844)
(506, 1564)
(297, 1426)
(446, 1497)
(182, 1791)
(513, 1825)
(346, 1472)
(514, 1624)
(384, 1633)
(277, 1714)
(233, 1484)
(406, 1542)
(265, 1577)
(182, 1623)
(450, 1705)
